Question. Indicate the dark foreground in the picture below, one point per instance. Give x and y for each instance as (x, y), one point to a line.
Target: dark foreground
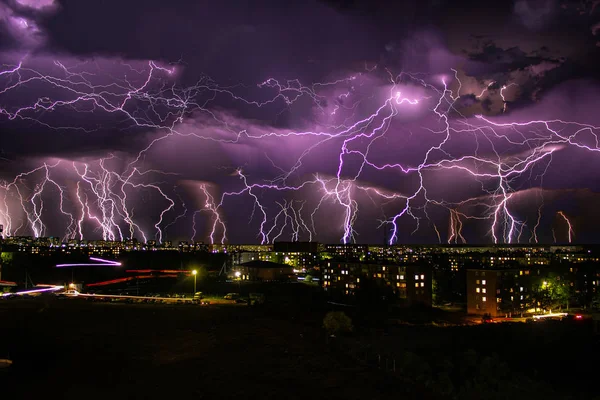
(70, 349)
(73, 349)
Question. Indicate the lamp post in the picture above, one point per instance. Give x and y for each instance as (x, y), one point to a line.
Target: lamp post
(237, 275)
(195, 273)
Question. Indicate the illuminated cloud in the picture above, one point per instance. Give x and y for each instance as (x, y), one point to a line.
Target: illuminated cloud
(38, 5)
(256, 130)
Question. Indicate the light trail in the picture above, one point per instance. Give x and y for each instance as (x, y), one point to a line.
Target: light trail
(34, 291)
(99, 262)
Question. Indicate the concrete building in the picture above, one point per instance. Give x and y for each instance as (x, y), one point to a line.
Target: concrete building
(499, 292)
(263, 271)
(411, 283)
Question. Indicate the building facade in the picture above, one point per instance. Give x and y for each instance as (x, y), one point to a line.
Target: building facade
(410, 283)
(263, 271)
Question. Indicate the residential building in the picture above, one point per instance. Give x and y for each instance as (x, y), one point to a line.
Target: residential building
(263, 271)
(497, 291)
(410, 283)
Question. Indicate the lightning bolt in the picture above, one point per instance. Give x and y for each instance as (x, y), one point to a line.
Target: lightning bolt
(107, 190)
(570, 231)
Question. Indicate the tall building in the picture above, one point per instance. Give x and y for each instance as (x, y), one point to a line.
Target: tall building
(347, 251)
(411, 283)
(500, 291)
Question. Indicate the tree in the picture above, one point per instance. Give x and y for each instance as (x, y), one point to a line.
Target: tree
(337, 322)
(6, 257)
(596, 300)
(436, 291)
(371, 293)
(552, 293)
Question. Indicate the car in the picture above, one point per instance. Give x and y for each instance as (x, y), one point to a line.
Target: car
(232, 296)
(574, 317)
(487, 319)
(257, 298)
(198, 296)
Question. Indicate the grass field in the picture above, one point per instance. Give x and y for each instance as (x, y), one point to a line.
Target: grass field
(76, 349)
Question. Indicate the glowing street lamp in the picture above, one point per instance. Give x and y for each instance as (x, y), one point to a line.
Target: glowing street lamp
(237, 276)
(195, 273)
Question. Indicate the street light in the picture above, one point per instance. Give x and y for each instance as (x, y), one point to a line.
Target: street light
(195, 273)
(237, 275)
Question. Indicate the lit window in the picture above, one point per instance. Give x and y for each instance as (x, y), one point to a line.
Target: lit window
(484, 299)
(401, 277)
(384, 268)
(422, 276)
(416, 284)
(483, 282)
(477, 281)
(483, 290)
(416, 277)
(398, 277)
(477, 290)
(422, 284)
(521, 289)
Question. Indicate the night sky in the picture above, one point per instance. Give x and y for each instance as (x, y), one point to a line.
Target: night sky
(334, 121)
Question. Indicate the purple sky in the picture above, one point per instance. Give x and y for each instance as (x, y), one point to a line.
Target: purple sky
(147, 118)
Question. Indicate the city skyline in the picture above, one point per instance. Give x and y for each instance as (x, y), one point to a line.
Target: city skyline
(409, 130)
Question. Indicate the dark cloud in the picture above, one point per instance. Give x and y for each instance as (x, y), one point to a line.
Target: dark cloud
(536, 14)
(515, 60)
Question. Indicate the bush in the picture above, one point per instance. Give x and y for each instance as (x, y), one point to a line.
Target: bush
(337, 322)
